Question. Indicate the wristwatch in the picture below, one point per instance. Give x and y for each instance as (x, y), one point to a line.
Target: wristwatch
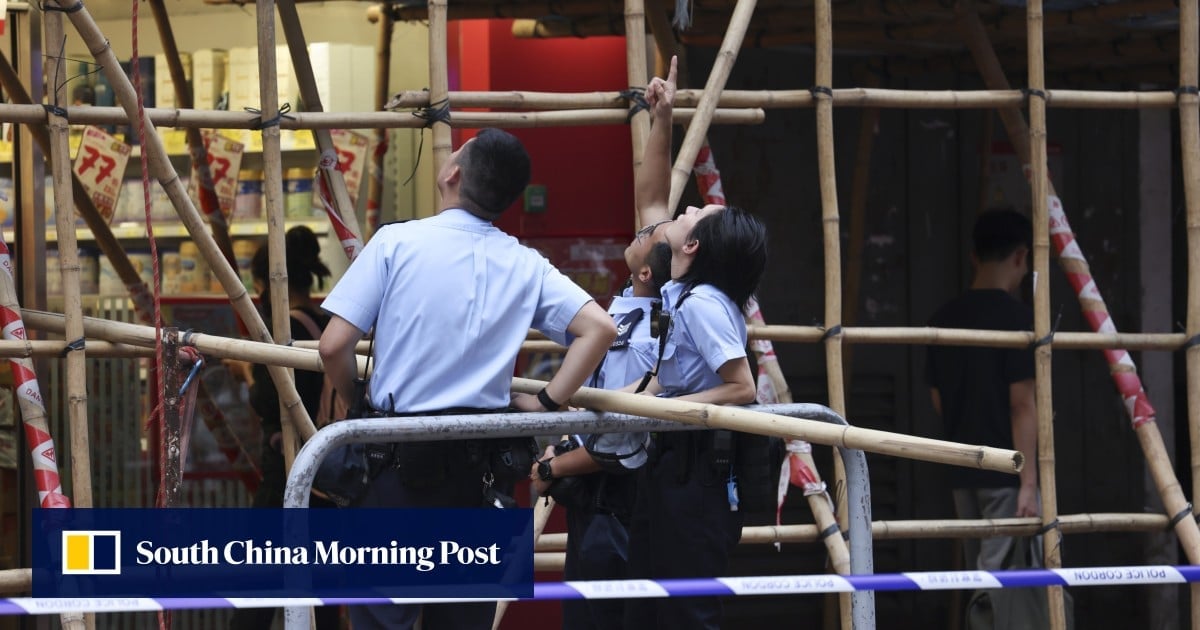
(545, 472)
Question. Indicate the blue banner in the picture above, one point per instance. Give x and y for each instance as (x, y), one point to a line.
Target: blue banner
(417, 553)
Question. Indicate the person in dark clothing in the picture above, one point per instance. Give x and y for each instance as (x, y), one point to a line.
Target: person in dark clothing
(986, 395)
(304, 266)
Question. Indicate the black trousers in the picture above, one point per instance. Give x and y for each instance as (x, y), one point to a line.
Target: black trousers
(681, 528)
(463, 488)
(598, 549)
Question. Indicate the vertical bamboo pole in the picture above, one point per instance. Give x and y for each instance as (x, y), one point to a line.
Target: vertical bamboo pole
(1189, 132)
(302, 64)
(439, 87)
(273, 177)
(1038, 176)
(162, 170)
(859, 186)
(832, 237)
(210, 205)
(60, 168)
(383, 70)
(635, 69)
(698, 130)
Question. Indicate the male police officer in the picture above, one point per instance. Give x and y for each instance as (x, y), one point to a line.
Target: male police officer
(451, 298)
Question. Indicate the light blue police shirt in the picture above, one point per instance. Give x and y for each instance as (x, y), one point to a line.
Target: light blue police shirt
(451, 298)
(707, 331)
(621, 367)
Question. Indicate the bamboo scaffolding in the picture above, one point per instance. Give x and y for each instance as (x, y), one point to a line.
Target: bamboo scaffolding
(541, 515)
(792, 99)
(16, 581)
(933, 529)
(166, 176)
(302, 65)
(210, 205)
(76, 368)
(42, 348)
(439, 87)
(635, 72)
(698, 130)
(383, 69)
(273, 191)
(1038, 176)
(1148, 434)
(751, 421)
(1189, 126)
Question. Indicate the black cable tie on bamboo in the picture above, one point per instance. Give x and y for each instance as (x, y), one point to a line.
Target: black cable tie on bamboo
(55, 110)
(1049, 338)
(274, 122)
(1184, 513)
(636, 97)
(1047, 527)
(831, 333)
(1192, 341)
(1187, 89)
(1029, 92)
(75, 8)
(821, 89)
(435, 113)
(74, 346)
(829, 531)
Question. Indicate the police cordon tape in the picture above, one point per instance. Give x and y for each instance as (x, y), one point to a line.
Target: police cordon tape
(696, 587)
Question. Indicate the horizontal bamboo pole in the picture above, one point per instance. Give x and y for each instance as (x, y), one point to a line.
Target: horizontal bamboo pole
(219, 347)
(217, 119)
(749, 420)
(781, 99)
(893, 335)
(16, 581)
(933, 529)
(44, 348)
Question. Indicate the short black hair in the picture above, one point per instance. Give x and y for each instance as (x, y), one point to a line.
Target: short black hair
(495, 171)
(659, 261)
(999, 233)
(303, 261)
(732, 254)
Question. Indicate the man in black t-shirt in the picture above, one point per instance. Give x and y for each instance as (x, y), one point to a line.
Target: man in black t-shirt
(986, 395)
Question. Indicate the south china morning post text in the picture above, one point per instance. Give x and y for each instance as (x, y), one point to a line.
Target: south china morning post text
(458, 553)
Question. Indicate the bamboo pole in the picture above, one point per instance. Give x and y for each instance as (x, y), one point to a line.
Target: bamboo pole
(76, 368)
(217, 119)
(273, 178)
(439, 87)
(383, 70)
(43, 348)
(16, 581)
(832, 240)
(1147, 432)
(210, 205)
(1189, 133)
(542, 509)
(162, 170)
(635, 70)
(798, 99)
(698, 130)
(1039, 174)
(933, 529)
(751, 421)
(859, 185)
(76, 372)
(302, 64)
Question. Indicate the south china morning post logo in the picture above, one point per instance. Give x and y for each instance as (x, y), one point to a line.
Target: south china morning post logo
(285, 553)
(90, 552)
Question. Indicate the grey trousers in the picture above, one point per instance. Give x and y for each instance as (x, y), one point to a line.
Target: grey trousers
(988, 554)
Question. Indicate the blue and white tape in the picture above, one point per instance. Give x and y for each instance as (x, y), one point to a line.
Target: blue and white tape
(697, 587)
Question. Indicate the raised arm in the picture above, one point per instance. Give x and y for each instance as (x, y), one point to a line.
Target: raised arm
(652, 184)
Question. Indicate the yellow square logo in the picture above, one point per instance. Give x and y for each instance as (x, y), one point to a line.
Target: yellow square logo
(91, 552)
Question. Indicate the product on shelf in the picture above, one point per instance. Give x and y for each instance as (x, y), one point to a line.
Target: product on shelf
(243, 253)
(249, 201)
(298, 193)
(193, 269)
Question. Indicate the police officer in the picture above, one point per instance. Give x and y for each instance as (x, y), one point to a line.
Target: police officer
(596, 483)
(451, 298)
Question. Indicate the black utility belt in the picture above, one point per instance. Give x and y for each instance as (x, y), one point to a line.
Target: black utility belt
(432, 464)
